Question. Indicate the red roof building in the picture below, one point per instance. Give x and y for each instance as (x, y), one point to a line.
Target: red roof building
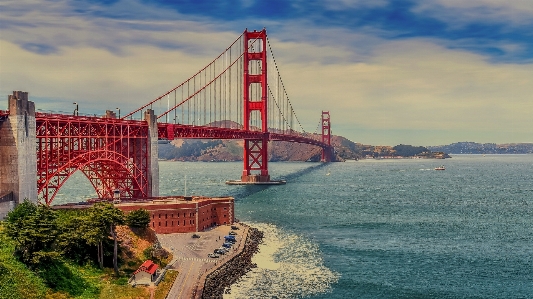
(146, 273)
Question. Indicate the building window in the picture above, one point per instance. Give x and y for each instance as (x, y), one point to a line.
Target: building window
(225, 209)
(159, 216)
(166, 216)
(153, 224)
(166, 223)
(159, 223)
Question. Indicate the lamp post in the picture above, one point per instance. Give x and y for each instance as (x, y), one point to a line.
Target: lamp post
(118, 111)
(76, 113)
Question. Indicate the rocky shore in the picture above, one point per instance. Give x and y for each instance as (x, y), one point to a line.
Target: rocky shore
(228, 273)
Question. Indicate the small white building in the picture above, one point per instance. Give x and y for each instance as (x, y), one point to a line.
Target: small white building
(146, 274)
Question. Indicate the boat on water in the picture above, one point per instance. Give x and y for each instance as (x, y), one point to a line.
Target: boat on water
(440, 168)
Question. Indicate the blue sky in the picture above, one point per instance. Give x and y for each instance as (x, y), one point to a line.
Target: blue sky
(422, 72)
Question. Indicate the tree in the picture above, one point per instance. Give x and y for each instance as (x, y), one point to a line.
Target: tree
(34, 230)
(409, 150)
(73, 235)
(138, 218)
(104, 217)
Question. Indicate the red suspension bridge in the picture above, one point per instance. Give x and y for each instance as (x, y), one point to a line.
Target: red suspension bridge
(239, 95)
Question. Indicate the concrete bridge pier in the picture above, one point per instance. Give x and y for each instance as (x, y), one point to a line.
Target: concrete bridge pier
(18, 156)
(153, 150)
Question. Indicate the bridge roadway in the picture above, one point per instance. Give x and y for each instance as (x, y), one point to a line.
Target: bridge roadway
(169, 131)
(191, 261)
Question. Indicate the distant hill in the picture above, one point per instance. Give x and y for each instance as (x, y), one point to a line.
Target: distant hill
(232, 150)
(484, 148)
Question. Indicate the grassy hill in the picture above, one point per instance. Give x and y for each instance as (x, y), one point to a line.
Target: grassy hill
(66, 279)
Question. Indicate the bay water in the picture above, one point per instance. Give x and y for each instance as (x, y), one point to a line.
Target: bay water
(375, 228)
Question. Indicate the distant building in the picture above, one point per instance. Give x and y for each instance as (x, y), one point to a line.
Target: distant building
(146, 274)
(184, 214)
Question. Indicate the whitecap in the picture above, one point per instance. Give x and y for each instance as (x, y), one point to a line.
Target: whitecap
(288, 266)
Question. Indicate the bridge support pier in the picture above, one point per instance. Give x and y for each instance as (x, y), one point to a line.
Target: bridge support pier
(18, 158)
(255, 158)
(153, 162)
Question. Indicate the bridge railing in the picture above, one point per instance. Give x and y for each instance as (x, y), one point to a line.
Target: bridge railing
(84, 117)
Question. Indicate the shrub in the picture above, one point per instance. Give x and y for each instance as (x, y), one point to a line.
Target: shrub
(138, 218)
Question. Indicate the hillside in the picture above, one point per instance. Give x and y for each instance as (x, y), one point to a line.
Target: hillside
(46, 254)
(232, 150)
(484, 148)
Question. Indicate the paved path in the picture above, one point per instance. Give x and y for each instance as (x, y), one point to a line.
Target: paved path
(190, 257)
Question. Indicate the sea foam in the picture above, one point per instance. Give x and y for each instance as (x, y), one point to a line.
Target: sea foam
(288, 266)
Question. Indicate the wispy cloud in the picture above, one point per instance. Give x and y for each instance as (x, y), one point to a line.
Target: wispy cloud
(423, 72)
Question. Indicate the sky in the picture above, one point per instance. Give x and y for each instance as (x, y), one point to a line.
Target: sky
(419, 72)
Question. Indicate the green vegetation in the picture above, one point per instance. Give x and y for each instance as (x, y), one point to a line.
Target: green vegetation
(409, 150)
(138, 218)
(48, 254)
(16, 280)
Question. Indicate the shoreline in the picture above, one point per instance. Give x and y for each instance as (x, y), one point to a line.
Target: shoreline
(215, 282)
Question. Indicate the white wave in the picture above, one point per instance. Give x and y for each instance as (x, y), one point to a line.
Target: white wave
(288, 266)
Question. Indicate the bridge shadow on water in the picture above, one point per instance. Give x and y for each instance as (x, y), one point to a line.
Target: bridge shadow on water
(248, 190)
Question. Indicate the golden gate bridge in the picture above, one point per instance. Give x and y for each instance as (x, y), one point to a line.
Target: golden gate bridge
(238, 95)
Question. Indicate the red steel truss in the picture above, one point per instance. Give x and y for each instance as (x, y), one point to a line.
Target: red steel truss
(111, 153)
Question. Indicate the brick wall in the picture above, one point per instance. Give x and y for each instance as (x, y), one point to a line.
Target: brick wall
(186, 216)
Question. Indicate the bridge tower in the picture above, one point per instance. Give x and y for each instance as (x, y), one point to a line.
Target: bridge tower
(255, 101)
(327, 154)
(18, 159)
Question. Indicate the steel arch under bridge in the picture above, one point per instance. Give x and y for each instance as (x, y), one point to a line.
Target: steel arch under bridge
(111, 153)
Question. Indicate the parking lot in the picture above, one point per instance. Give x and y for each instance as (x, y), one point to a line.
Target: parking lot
(191, 255)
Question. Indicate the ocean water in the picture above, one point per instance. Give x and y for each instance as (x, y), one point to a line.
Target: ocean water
(377, 228)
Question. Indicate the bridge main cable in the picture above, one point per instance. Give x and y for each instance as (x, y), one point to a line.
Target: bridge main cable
(182, 84)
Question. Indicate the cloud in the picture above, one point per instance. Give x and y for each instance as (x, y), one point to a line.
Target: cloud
(414, 86)
(381, 87)
(459, 12)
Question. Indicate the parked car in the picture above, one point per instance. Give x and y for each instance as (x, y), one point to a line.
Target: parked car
(213, 255)
(220, 251)
(196, 236)
(232, 233)
(227, 245)
(234, 227)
